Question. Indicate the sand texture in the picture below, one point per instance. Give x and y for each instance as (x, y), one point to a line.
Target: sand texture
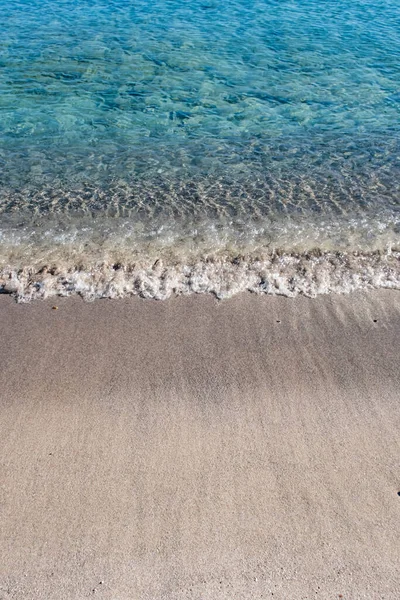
(195, 449)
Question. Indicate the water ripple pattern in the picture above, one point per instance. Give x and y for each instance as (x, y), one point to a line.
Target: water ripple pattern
(172, 146)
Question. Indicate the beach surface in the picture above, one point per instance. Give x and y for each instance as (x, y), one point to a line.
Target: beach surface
(191, 448)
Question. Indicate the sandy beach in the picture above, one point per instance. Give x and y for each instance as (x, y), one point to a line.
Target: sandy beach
(191, 448)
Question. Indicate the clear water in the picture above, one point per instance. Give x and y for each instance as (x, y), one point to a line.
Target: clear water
(173, 146)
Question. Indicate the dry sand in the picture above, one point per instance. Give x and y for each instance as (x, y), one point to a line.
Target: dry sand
(203, 450)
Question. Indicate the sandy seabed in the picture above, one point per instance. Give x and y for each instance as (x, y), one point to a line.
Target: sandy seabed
(191, 448)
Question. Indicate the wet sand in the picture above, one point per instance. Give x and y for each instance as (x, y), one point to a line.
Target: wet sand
(200, 449)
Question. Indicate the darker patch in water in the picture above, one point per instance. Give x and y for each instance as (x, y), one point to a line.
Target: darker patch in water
(180, 115)
(135, 93)
(65, 76)
(270, 98)
(394, 98)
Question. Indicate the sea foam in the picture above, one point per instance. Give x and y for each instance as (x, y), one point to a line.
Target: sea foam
(106, 257)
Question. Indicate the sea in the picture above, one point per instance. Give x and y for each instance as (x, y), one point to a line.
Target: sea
(163, 147)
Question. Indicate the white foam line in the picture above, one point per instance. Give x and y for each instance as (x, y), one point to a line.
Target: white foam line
(280, 274)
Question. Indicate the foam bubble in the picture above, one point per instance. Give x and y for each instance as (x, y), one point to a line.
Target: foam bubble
(114, 258)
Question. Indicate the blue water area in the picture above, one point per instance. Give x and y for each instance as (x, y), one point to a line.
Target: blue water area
(184, 106)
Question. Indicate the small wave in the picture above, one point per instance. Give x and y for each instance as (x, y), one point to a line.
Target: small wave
(115, 258)
(280, 274)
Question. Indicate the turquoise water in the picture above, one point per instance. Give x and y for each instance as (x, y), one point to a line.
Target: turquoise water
(233, 134)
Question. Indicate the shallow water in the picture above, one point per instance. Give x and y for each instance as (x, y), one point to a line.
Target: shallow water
(157, 141)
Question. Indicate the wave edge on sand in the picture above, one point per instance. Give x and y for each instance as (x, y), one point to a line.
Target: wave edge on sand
(104, 257)
(309, 274)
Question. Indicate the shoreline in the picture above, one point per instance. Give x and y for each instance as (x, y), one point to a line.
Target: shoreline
(308, 274)
(274, 254)
(195, 448)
